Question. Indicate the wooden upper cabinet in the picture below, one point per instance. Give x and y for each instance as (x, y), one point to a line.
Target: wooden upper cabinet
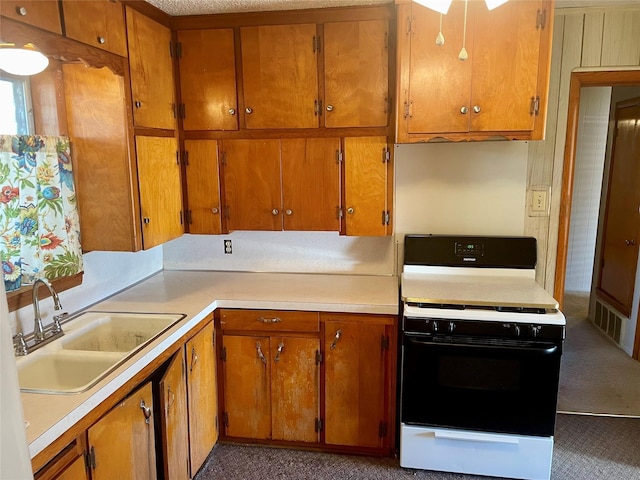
(203, 187)
(501, 89)
(356, 73)
(208, 79)
(367, 186)
(280, 76)
(99, 23)
(311, 183)
(253, 198)
(151, 67)
(44, 14)
(160, 190)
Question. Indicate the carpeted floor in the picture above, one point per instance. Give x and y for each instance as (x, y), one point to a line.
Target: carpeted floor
(596, 376)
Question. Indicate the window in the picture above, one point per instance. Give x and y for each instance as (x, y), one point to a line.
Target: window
(17, 119)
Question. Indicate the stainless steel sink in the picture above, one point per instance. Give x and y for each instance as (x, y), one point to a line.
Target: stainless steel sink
(94, 344)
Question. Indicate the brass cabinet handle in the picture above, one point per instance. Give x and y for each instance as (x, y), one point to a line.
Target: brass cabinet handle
(269, 320)
(232, 111)
(336, 339)
(248, 110)
(260, 354)
(101, 40)
(194, 359)
(464, 110)
(22, 11)
(275, 211)
(146, 411)
(476, 109)
(280, 348)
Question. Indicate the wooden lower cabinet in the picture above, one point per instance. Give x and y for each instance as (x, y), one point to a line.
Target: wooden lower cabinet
(122, 443)
(272, 377)
(69, 464)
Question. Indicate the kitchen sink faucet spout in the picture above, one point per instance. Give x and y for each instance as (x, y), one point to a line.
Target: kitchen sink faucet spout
(38, 329)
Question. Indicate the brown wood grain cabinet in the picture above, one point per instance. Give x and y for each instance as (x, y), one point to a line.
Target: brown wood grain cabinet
(368, 186)
(151, 66)
(122, 443)
(99, 23)
(208, 79)
(500, 90)
(160, 189)
(358, 379)
(356, 73)
(44, 14)
(203, 187)
(288, 184)
(271, 375)
(69, 464)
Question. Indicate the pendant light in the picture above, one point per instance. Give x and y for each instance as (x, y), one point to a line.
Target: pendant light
(463, 55)
(440, 36)
(440, 6)
(25, 60)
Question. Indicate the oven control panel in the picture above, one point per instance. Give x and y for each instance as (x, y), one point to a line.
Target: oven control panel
(466, 249)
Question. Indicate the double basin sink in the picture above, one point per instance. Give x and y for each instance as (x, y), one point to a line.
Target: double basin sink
(94, 344)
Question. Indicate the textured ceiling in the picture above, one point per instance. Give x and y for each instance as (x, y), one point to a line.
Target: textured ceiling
(202, 7)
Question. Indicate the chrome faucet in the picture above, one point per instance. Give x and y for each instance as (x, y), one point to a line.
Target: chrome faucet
(38, 329)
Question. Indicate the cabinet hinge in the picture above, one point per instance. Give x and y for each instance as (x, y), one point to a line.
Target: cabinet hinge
(534, 109)
(188, 217)
(223, 354)
(319, 425)
(385, 217)
(225, 419)
(223, 158)
(317, 107)
(339, 213)
(382, 430)
(217, 424)
(318, 357)
(177, 157)
(185, 158)
(90, 459)
(541, 19)
(179, 50)
(182, 111)
(384, 343)
(407, 110)
(227, 212)
(181, 218)
(170, 48)
(174, 107)
(338, 156)
(386, 155)
(316, 44)
(386, 40)
(408, 25)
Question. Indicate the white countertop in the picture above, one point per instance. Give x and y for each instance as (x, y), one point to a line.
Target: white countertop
(505, 291)
(197, 294)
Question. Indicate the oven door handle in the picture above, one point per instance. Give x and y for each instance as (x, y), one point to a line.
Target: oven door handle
(477, 437)
(547, 349)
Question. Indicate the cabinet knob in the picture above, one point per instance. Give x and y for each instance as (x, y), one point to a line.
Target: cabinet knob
(630, 243)
(289, 212)
(137, 104)
(464, 110)
(248, 110)
(275, 211)
(215, 210)
(101, 40)
(329, 108)
(146, 220)
(22, 11)
(350, 210)
(232, 111)
(476, 109)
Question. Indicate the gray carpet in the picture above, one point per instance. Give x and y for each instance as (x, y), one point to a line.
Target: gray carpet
(596, 376)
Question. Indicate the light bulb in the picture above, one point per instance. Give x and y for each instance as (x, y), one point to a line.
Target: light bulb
(26, 60)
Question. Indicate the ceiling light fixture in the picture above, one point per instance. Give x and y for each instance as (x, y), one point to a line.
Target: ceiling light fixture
(25, 60)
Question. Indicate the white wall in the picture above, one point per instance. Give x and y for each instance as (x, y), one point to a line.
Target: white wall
(587, 184)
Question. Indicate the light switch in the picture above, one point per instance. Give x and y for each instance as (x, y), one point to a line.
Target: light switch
(539, 200)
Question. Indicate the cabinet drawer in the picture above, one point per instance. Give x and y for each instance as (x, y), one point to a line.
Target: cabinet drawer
(43, 14)
(269, 320)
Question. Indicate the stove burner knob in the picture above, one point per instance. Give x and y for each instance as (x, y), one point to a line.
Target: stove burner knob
(434, 326)
(516, 330)
(535, 330)
(452, 327)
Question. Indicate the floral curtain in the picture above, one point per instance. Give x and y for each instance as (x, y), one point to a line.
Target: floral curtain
(39, 226)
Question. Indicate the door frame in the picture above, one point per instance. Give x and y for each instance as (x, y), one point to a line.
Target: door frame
(599, 78)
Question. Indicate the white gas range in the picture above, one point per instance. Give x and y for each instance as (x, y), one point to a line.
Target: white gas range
(481, 348)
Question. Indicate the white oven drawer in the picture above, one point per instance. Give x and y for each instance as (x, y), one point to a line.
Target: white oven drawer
(479, 453)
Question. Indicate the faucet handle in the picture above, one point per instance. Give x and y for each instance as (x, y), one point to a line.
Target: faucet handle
(57, 327)
(19, 344)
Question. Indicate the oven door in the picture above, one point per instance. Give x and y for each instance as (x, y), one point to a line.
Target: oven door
(483, 384)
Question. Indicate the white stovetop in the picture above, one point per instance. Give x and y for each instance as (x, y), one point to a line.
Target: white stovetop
(197, 294)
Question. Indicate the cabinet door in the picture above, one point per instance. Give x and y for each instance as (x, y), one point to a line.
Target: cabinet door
(366, 186)
(203, 186)
(247, 386)
(151, 71)
(203, 404)
(123, 440)
(174, 420)
(295, 388)
(355, 366)
(160, 189)
(310, 182)
(253, 193)
(105, 179)
(280, 76)
(208, 79)
(99, 23)
(506, 50)
(356, 73)
(439, 83)
(76, 471)
(43, 14)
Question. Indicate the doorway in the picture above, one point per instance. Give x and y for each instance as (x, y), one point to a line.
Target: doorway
(578, 81)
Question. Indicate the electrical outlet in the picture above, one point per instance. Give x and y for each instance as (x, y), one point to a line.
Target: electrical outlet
(227, 247)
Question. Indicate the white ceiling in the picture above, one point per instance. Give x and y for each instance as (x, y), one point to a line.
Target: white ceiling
(202, 7)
